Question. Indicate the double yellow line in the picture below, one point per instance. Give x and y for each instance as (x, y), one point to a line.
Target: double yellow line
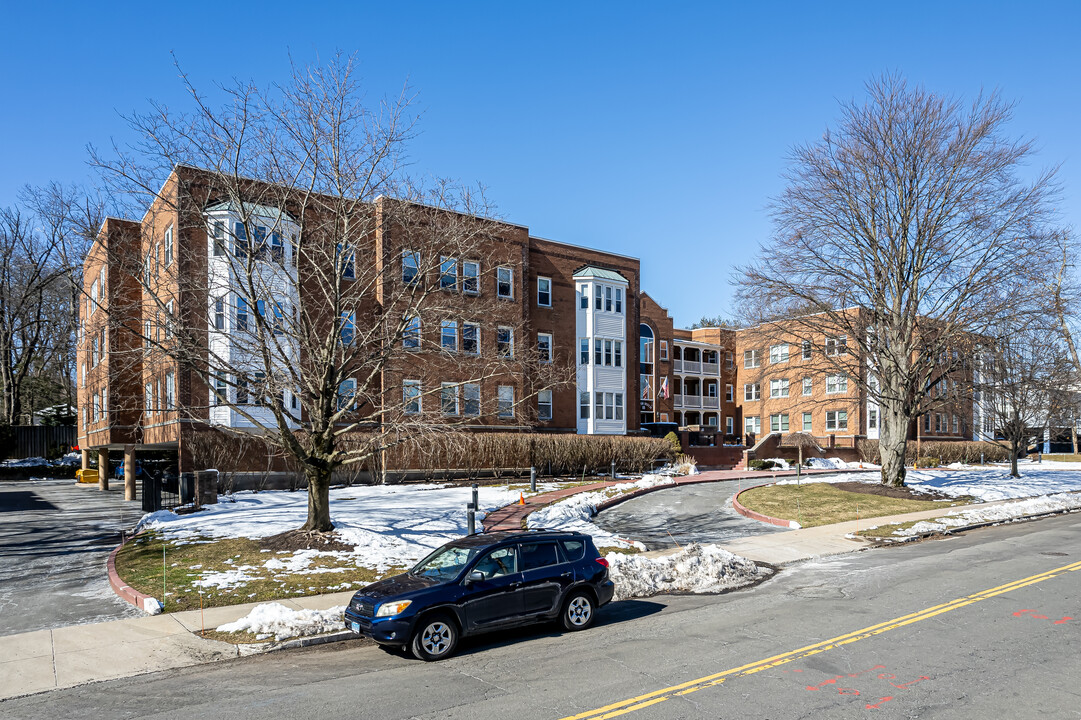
(659, 696)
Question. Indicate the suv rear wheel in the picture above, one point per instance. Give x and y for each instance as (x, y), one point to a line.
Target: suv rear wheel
(578, 611)
(435, 638)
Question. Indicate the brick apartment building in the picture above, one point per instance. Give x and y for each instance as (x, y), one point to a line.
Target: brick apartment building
(581, 311)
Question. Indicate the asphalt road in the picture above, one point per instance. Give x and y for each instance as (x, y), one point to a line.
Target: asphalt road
(55, 537)
(977, 626)
(680, 515)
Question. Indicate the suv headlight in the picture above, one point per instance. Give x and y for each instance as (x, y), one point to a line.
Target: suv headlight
(394, 608)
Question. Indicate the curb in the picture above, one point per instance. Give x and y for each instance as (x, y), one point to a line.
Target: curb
(123, 590)
(779, 522)
(245, 649)
(884, 542)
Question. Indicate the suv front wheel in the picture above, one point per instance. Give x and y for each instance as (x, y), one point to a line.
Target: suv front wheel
(578, 611)
(435, 638)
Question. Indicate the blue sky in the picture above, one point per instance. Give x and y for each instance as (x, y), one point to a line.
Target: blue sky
(657, 130)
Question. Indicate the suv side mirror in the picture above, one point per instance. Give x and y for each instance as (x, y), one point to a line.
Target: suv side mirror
(475, 576)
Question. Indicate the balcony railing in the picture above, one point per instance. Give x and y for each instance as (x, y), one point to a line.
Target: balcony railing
(677, 365)
(692, 366)
(711, 368)
(688, 401)
(711, 402)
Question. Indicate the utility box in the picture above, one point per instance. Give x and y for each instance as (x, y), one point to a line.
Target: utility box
(90, 475)
(206, 487)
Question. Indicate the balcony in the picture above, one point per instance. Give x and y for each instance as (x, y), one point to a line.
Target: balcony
(711, 402)
(692, 366)
(711, 368)
(687, 401)
(677, 365)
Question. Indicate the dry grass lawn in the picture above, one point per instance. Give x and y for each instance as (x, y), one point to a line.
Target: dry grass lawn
(816, 504)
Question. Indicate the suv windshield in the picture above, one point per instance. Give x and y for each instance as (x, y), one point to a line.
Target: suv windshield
(445, 563)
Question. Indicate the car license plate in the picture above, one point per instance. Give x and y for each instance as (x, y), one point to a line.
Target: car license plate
(355, 626)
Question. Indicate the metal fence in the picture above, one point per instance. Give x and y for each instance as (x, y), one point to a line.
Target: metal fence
(38, 440)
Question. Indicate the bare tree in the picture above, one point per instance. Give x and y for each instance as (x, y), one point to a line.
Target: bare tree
(313, 293)
(908, 230)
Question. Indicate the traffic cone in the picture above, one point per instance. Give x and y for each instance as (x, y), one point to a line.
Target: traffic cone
(521, 499)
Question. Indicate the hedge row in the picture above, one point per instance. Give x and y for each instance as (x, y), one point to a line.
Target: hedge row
(944, 452)
(550, 454)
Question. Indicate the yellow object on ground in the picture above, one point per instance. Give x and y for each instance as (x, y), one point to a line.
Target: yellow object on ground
(90, 475)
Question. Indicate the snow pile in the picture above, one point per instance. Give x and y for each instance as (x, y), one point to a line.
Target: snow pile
(274, 619)
(694, 569)
(27, 462)
(72, 458)
(829, 464)
(389, 525)
(781, 463)
(227, 579)
(576, 512)
(997, 513)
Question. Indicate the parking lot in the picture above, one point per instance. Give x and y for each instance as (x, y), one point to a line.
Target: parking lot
(55, 538)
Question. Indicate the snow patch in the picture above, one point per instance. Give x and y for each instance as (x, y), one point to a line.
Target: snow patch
(275, 619)
(998, 513)
(694, 569)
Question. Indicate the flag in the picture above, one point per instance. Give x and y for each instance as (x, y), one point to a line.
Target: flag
(663, 394)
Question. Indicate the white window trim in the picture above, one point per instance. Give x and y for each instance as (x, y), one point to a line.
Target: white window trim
(549, 281)
(419, 397)
(510, 282)
(551, 346)
(443, 387)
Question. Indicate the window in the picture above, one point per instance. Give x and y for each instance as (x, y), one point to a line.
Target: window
(807, 387)
(728, 393)
(410, 267)
(544, 292)
(609, 406)
(607, 299)
(219, 314)
(729, 361)
(219, 393)
(97, 407)
(347, 260)
(506, 401)
(729, 425)
(169, 330)
(778, 423)
(148, 397)
(836, 420)
(148, 274)
(752, 391)
(93, 296)
(544, 405)
(218, 234)
(807, 422)
(504, 282)
(956, 425)
(544, 347)
(448, 398)
(872, 419)
(598, 406)
(619, 353)
(240, 241)
(260, 388)
(471, 277)
(105, 402)
(752, 359)
(583, 405)
(927, 423)
(938, 422)
(497, 563)
(504, 342)
(278, 322)
(778, 354)
(95, 352)
(608, 352)
(619, 300)
(348, 328)
(836, 384)
(448, 273)
(168, 246)
(241, 314)
(170, 390)
(805, 352)
(82, 376)
(664, 350)
(619, 406)
(471, 399)
(471, 338)
(598, 297)
(448, 335)
(583, 351)
(778, 388)
(711, 390)
(752, 424)
(538, 555)
(259, 247)
(277, 252)
(347, 393)
(837, 345)
(411, 334)
(411, 396)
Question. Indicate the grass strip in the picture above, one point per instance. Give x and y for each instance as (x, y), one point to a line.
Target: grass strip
(815, 504)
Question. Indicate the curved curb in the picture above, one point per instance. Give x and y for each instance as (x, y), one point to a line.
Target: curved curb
(759, 516)
(123, 590)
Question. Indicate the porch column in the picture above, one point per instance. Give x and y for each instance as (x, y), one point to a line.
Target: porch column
(103, 468)
(129, 472)
(86, 458)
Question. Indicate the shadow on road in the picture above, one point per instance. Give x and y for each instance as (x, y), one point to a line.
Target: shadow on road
(23, 501)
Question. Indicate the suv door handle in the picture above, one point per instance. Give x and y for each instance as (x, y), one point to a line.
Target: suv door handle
(567, 574)
(515, 585)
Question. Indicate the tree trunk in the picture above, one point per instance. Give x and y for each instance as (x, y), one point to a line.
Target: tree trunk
(893, 443)
(318, 500)
(1014, 447)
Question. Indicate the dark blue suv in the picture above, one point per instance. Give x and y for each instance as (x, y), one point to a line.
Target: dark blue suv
(482, 583)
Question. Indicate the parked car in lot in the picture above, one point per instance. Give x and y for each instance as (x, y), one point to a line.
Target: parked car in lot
(482, 583)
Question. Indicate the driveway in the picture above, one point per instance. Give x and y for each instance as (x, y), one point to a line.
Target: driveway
(681, 515)
(55, 537)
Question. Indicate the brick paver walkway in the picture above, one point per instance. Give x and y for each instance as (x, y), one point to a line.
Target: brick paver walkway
(513, 516)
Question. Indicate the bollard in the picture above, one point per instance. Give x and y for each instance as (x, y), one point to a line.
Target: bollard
(476, 497)
(533, 479)
(981, 459)
(613, 469)
(471, 518)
